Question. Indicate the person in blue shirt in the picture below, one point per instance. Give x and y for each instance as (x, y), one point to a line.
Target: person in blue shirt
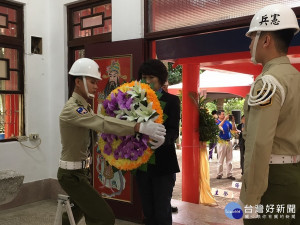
(224, 144)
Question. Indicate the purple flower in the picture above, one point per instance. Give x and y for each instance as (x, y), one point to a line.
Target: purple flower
(124, 100)
(107, 149)
(128, 149)
(111, 105)
(121, 99)
(145, 139)
(131, 146)
(116, 154)
(134, 156)
(108, 137)
(128, 103)
(105, 103)
(104, 136)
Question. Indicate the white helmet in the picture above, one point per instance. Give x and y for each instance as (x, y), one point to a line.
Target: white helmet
(274, 17)
(271, 18)
(85, 67)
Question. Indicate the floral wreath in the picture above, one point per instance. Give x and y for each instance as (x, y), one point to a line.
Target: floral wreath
(136, 102)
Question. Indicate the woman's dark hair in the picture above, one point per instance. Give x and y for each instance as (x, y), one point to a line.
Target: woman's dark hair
(154, 67)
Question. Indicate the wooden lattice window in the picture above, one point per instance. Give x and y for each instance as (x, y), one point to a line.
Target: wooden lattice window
(90, 21)
(8, 21)
(11, 71)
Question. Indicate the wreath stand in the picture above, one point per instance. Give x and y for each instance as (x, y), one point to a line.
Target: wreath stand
(63, 201)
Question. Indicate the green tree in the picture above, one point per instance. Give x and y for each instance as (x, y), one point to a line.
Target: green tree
(175, 74)
(234, 104)
(211, 106)
(208, 130)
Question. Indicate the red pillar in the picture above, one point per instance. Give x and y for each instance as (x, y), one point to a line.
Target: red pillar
(190, 135)
(153, 50)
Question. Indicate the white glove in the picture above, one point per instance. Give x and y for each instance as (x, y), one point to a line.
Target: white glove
(157, 141)
(153, 129)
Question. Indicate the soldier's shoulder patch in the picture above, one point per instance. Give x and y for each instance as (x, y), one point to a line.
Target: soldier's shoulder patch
(264, 95)
(265, 101)
(81, 110)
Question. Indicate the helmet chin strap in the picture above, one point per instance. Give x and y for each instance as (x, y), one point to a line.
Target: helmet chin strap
(86, 89)
(254, 47)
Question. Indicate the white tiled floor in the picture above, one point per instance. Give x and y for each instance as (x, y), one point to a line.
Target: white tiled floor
(43, 213)
(224, 183)
(195, 214)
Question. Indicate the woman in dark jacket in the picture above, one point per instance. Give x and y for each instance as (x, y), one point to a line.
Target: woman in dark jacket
(156, 185)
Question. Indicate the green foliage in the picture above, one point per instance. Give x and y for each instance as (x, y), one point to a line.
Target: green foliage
(175, 77)
(211, 106)
(208, 130)
(229, 105)
(152, 159)
(234, 104)
(175, 74)
(143, 167)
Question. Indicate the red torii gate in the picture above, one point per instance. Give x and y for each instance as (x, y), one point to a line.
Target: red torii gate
(224, 50)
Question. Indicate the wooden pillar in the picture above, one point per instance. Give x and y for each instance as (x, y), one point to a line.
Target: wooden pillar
(190, 135)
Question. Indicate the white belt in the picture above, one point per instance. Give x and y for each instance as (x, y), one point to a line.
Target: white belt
(75, 165)
(284, 159)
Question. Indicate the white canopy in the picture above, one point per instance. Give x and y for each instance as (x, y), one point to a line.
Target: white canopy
(209, 79)
(221, 84)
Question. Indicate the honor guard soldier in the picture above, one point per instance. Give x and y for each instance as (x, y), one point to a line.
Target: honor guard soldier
(271, 181)
(78, 126)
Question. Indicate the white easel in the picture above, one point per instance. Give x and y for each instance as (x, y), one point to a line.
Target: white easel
(63, 200)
